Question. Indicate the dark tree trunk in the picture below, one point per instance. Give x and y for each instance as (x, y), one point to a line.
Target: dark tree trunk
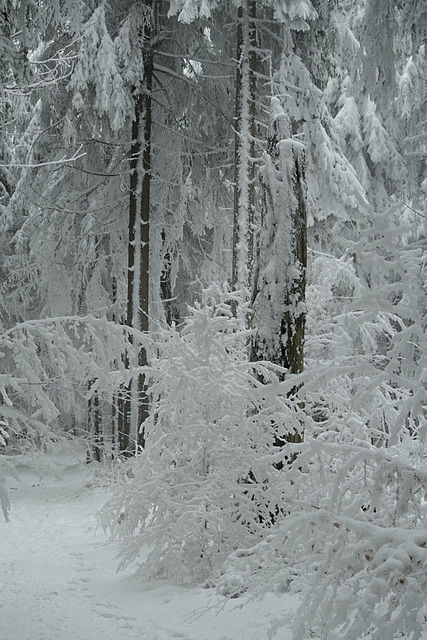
(95, 427)
(136, 402)
(166, 286)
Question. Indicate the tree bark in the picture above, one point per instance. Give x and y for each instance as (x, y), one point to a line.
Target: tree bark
(294, 318)
(136, 404)
(95, 432)
(244, 167)
(279, 298)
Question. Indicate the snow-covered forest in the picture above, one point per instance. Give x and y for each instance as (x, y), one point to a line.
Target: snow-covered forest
(213, 264)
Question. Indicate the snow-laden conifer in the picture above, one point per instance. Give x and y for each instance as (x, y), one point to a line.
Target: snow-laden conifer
(97, 70)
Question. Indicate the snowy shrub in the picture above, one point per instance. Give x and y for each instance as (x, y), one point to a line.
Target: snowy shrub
(51, 369)
(353, 542)
(46, 367)
(205, 485)
(363, 532)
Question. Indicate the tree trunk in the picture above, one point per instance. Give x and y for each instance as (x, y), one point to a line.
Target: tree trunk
(94, 429)
(136, 407)
(279, 298)
(166, 286)
(244, 190)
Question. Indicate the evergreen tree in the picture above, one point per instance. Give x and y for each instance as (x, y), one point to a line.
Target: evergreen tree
(83, 270)
(122, 145)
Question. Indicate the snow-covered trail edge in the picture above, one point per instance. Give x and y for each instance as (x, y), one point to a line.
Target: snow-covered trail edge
(58, 578)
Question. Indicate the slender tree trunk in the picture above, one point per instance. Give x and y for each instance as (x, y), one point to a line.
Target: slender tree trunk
(95, 427)
(136, 402)
(166, 286)
(123, 426)
(244, 190)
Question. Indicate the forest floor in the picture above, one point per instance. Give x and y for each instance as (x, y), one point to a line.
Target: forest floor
(58, 578)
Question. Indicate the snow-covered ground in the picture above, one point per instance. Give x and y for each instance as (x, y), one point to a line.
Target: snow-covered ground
(58, 578)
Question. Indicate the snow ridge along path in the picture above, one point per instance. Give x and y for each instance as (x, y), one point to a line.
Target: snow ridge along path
(58, 578)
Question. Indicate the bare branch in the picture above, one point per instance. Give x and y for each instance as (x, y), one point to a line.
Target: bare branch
(61, 161)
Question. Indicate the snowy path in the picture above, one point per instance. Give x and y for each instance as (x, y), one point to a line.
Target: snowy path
(50, 577)
(58, 579)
